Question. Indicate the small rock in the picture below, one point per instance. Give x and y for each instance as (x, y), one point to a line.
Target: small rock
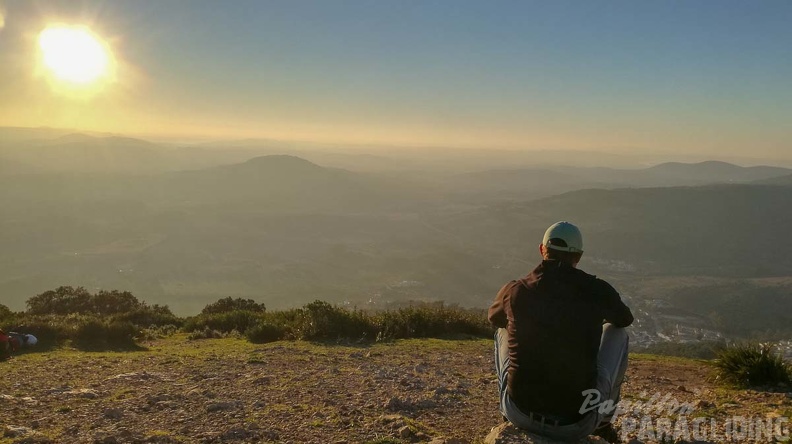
(439, 391)
(443, 440)
(235, 434)
(155, 399)
(425, 404)
(264, 380)
(85, 393)
(507, 433)
(16, 431)
(404, 432)
(162, 405)
(113, 414)
(681, 388)
(34, 439)
(222, 406)
(80, 393)
(387, 419)
(394, 403)
(134, 375)
(702, 404)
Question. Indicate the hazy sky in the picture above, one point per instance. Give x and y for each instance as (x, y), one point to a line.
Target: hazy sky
(673, 76)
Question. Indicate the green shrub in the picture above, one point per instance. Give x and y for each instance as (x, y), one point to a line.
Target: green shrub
(265, 332)
(431, 321)
(5, 312)
(150, 315)
(96, 334)
(156, 332)
(61, 301)
(229, 304)
(320, 320)
(239, 320)
(752, 365)
(122, 304)
(205, 333)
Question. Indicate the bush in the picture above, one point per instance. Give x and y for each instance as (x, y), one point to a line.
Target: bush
(265, 332)
(320, 320)
(95, 334)
(5, 312)
(122, 304)
(150, 316)
(156, 332)
(752, 365)
(205, 333)
(431, 321)
(228, 304)
(239, 320)
(61, 301)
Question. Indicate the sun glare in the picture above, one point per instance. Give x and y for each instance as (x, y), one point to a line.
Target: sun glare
(73, 55)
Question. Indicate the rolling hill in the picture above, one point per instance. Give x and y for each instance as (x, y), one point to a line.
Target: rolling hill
(720, 229)
(532, 183)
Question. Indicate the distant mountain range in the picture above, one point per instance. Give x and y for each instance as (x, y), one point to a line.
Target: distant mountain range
(522, 184)
(186, 229)
(57, 150)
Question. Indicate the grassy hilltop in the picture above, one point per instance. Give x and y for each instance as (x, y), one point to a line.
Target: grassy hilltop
(112, 369)
(178, 390)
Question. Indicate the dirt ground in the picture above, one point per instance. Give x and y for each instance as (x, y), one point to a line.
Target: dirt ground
(228, 390)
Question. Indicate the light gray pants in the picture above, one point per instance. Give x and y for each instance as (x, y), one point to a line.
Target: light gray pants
(611, 366)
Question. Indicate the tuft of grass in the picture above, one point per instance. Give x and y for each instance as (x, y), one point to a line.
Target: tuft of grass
(752, 365)
(205, 333)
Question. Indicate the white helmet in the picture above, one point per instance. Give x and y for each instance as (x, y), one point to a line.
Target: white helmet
(31, 340)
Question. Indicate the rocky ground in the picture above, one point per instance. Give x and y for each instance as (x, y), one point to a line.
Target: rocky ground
(228, 390)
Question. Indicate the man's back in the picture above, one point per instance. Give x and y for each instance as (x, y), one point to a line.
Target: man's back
(554, 319)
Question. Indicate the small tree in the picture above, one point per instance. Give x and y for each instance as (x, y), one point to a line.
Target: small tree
(230, 304)
(61, 301)
(5, 312)
(113, 302)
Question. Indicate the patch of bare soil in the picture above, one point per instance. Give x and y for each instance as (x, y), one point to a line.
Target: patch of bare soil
(227, 390)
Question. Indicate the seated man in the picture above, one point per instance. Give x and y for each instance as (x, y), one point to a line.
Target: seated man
(551, 345)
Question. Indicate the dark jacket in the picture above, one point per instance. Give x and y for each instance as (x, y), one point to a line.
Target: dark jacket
(554, 317)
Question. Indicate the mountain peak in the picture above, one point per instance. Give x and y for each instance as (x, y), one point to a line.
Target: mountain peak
(282, 163)
(73, 138)
(709, 165)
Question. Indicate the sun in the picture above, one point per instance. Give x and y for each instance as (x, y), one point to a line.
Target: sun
(74, 55)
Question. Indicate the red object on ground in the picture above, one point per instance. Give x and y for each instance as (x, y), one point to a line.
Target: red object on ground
(5, 346)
